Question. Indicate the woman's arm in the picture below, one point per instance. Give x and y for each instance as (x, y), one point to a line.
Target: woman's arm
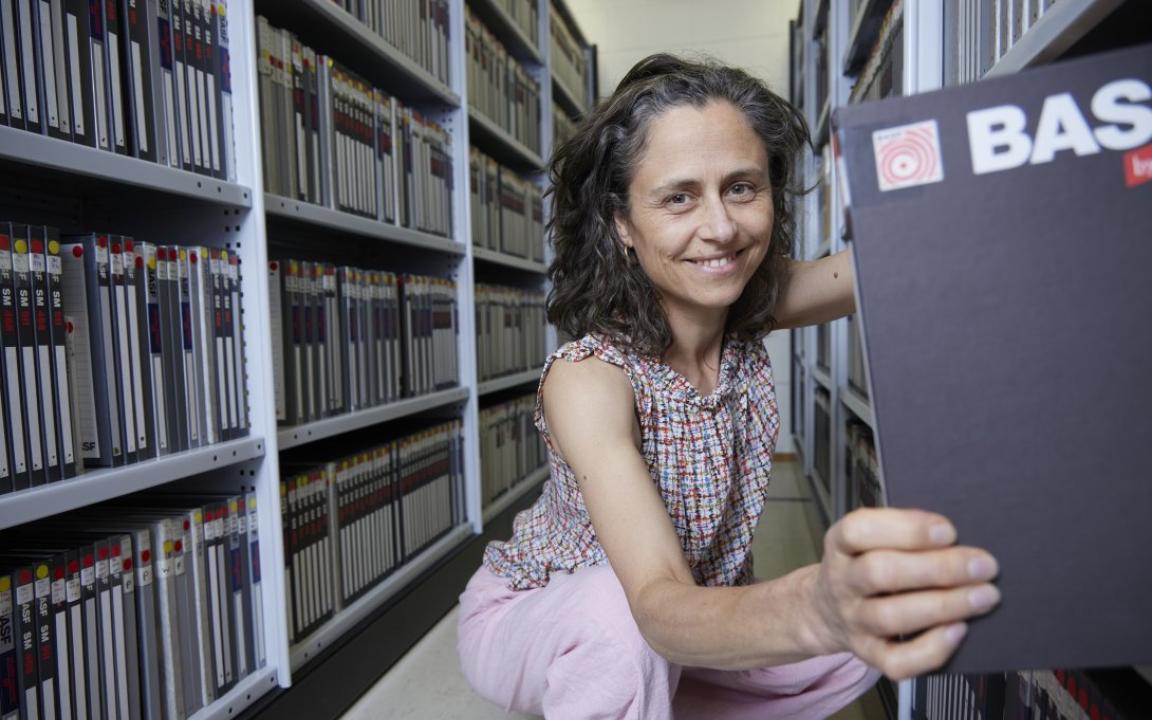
(817, 291)
(855, 600)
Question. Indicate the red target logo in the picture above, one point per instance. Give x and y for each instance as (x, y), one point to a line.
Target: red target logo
(908, 155)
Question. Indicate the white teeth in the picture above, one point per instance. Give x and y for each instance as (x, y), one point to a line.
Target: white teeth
(716, 262)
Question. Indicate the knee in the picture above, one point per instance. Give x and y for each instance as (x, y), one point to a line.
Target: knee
(600, 613)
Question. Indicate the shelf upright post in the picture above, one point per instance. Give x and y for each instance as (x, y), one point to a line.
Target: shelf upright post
(456, 122)
(252, 247)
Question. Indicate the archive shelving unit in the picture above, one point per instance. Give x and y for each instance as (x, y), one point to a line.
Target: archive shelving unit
(49, 181)
(932, 45)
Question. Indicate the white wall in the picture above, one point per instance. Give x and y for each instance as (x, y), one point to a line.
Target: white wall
(751, 34)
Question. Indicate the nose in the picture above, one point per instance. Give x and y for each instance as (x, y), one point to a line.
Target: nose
(717, 224)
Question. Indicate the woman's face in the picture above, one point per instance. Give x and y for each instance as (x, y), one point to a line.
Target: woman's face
(700, 207)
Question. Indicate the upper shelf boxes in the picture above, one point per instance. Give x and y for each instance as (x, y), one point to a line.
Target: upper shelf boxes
(570, 65)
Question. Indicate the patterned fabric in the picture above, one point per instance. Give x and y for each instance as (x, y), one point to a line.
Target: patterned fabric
(709, 456)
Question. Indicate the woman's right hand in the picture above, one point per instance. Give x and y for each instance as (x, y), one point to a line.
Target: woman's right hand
(895, 590)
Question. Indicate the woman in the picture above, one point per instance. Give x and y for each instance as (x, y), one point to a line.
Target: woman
(626, 590)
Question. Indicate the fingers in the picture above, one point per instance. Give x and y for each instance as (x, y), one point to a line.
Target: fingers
(925, 653)
(888, 528)
(890, 571)
(909, 613)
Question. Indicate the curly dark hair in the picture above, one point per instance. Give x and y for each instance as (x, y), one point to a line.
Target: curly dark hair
(596, 288)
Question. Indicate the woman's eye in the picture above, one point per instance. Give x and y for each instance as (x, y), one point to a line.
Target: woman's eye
(742, 190)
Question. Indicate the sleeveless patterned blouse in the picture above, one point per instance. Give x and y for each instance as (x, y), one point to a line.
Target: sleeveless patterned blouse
(709, 456)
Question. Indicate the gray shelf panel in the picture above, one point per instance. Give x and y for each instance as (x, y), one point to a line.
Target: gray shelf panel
(108, 483)
(821, 376)
(246, 693)
(1057, 30)
(509, 381)
(297, 435)
(493, 140)
(59, 158)
(328, 28)
(516, 42)
(349, 617)
(517, 491)
(823, 500)
(299, 211)
(499, 258)
(855, 401)
(567, 99)
(822, 124)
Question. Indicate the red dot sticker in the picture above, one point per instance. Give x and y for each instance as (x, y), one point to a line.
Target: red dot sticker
(71, 329)
(186, 524)
(145, 556)
(139, 262)
(37, 246)
(73, 567)
(116, 248)
(192, 257)
(115, 551)
(160, 254)
(102, 553)
(88, 560)
(129, 246)
(274, 265)
(102, 241)
(127, 564)
(178, 547)
(59, 572)
(77, 251)
(25, 577)
(4, 242)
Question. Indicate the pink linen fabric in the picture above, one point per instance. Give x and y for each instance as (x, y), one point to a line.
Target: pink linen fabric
(571, 651)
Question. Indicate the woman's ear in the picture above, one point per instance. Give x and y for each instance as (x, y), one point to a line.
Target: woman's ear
(621, 224)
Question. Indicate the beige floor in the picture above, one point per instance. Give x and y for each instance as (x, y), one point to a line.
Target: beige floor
(427, 685)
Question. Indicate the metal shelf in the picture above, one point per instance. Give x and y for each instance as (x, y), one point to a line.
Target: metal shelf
(498, 258)
(509, 381)
(57, 159)
(865, 30)
(516, 42)
(1057, 30)
(348, 618)
(107, 483)
(568, 100)
(822, 499)
(330, 28)
(297, 435)
(821, 376)
(517, 491)
(495, 141)
(279, 206)
(855, 401)
(569, 19)
(821, 136)
(245, 694)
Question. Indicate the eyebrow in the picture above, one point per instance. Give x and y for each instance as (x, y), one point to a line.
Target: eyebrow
(748, 173)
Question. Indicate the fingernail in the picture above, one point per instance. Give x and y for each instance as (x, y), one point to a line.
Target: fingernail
(955, 633)
(984, 597)
(942, 534)
(982, 568)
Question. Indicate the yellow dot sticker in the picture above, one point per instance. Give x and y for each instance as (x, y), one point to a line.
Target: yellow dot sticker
(21, 246)
(41, 572)
(5, 584)
(53, 247)
(167, 547)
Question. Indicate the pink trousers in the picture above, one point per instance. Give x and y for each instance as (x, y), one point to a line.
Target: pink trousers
(572, 651)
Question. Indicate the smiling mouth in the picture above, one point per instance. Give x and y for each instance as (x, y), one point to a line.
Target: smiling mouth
(718, 263)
